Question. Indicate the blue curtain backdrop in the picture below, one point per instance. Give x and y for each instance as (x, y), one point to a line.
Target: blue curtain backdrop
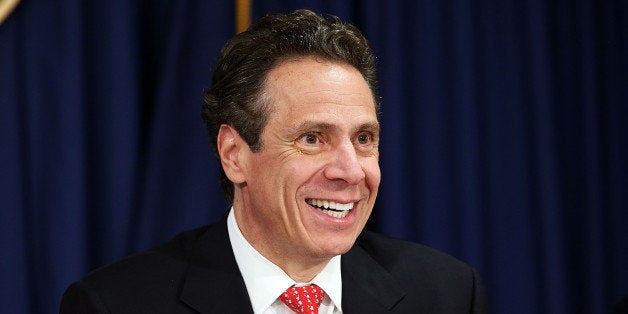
(505, 138)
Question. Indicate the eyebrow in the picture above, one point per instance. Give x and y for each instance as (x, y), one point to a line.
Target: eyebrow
(314, 125)
(370, 126)
(324, 126)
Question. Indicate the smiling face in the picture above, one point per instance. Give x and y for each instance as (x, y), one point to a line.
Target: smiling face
(310, 190)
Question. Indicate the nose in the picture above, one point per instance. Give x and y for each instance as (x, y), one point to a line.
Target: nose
(345, 165)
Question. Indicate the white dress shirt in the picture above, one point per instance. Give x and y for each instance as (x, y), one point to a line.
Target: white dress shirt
(265, 281)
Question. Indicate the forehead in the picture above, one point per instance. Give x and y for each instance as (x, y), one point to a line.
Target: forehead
(308, 87)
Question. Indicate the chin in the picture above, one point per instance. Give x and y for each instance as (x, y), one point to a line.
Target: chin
(339, 249)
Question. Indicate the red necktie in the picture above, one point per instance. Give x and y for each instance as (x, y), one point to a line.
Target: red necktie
(305, 299)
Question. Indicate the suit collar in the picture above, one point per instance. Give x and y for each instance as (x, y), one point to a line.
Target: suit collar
(213, 283)
(366, 285)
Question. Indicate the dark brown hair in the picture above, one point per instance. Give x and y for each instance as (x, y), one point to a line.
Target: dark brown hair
(235, 96)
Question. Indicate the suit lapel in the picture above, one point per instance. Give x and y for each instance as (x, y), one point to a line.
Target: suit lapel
(366, 286)
(213, 283)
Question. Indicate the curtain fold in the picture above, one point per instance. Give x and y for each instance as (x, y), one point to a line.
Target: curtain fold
(103, 149)
(504, 138)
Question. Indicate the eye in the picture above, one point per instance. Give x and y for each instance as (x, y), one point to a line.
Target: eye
(366, 142)
(364, 138)
(311, 138)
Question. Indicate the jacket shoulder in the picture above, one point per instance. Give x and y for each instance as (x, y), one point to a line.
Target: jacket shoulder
(431, 280)
(393, 253)
(166, 258)
(155, 275)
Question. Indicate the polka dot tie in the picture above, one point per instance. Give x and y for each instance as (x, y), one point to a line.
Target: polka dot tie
(305, 299)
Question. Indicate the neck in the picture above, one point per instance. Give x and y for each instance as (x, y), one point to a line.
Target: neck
(301, 271)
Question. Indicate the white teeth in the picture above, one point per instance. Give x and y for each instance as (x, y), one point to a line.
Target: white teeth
(330, 208)
(340, 214)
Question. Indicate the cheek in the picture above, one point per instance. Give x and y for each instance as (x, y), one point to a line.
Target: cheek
(282, 178)
(373, 175)
(302, 170)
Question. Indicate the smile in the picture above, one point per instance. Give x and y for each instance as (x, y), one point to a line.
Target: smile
(337, 210)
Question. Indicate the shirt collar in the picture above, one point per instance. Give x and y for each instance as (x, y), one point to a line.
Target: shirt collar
(265, 281)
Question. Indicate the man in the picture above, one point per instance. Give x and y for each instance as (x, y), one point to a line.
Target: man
(293, 116)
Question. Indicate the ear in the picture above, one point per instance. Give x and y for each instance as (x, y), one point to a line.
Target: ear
(231, 148)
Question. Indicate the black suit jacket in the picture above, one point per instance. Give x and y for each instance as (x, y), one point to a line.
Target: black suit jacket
(197, 272)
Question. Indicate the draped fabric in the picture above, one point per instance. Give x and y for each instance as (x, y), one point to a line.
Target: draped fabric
(103, 148)
(504, 138)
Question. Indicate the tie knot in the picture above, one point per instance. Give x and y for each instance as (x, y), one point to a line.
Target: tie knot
(304, 299)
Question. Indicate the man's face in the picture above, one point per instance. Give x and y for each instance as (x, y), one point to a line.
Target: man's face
(312, 187)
